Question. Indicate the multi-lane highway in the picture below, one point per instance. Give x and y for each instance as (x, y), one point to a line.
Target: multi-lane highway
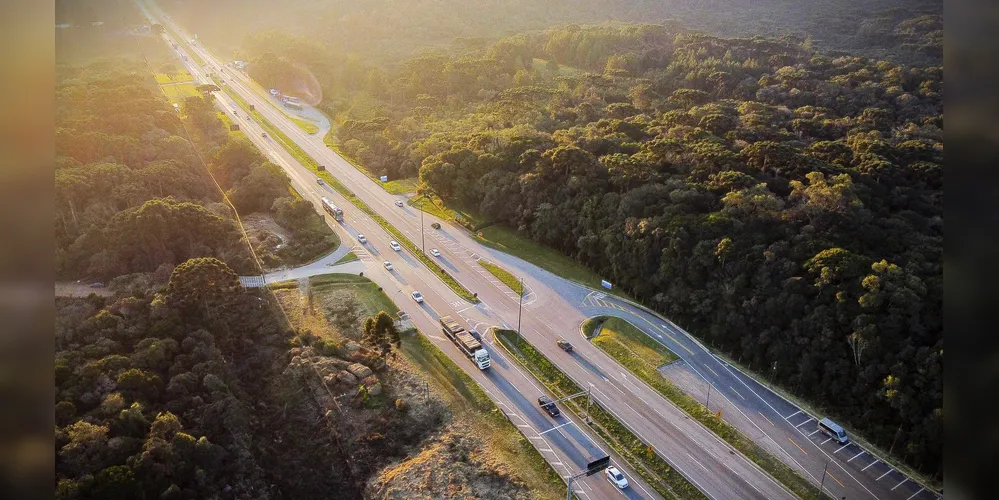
(554, 308)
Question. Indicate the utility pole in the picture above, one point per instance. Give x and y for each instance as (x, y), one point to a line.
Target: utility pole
(588, 389)
(823, 482)
(520, 311)
(708, 402)
(423, 242)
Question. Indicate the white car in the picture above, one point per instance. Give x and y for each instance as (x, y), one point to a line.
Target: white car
(435, 252)
(395, 245)
(418, 297)
(388, 265)
(615, 476)
(362, 239)
(398, 203)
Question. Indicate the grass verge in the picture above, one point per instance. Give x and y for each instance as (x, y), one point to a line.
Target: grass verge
(551, 260)
(350, 257)
(178, 77)
(641, 356)
(178, 92)
(295, 151)
(306, 125)
(398, 186)
(470, 403)
(503, 275)
(368, 293)
(666, 480)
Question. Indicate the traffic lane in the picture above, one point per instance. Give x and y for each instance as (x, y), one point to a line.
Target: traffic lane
(624, 399)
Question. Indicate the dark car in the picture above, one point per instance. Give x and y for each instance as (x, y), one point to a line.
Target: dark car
(436, 225)
(565, 345)
(549, 406)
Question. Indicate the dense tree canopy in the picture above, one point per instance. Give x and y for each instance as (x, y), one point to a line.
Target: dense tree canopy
(781, 203)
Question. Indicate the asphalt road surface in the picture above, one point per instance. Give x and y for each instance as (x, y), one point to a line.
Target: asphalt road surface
(553, 308)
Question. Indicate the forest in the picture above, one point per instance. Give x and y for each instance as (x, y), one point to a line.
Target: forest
(132, 196)
(782, 203)
(182, 384)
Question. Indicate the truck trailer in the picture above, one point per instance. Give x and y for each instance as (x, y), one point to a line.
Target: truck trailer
(466, 343)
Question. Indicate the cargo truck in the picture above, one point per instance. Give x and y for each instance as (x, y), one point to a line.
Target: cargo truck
(466, 343)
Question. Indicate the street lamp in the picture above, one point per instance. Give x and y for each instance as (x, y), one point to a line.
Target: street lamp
(423, 243)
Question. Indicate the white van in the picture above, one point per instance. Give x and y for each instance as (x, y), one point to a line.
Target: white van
(833, 430)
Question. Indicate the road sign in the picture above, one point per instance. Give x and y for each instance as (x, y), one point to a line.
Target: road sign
(606, 284)
(597, 465)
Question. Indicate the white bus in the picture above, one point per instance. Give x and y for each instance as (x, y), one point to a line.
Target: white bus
(332, 209)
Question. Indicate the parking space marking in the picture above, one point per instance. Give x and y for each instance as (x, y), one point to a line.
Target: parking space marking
(841, 448)
(793, 414)
(803, 423)
(885, 474)
(916, 493)
(813, 432)
(855, 456)
(869, 465)
(900, 484)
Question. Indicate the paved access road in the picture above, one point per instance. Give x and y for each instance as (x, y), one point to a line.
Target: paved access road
(554, 308)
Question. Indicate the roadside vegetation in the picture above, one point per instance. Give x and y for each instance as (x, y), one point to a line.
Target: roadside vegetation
(503, 275)
(312, 165)
(666, 480)
(643, 356)
(349, 257)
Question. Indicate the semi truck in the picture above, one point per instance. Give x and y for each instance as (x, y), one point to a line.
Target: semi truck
(466, 343)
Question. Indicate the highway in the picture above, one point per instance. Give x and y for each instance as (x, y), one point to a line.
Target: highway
(554, 308)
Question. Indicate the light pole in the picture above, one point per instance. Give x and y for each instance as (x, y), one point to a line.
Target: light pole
(822, 483)
(423, 243)
(708, 402)
(520, 310)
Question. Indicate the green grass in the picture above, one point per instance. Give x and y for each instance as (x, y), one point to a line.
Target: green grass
(178, 77)
(295, 151)
(552, 260)
(350, 257)
(618, 332)
(368, 293)
(503, 275)
(177, 93)
(666, 480)
(432, 206)
(400, 186)
(306, 125)
(642, 356)
(472, 405)
(239, 134)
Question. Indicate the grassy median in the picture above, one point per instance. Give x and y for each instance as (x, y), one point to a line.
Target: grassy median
(642, 356)
(299, 154)
(503, 275)
(666, 480)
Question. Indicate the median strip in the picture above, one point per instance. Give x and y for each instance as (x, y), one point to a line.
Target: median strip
(503, 275)
(299, 154)
(622, 342)
(666, 480)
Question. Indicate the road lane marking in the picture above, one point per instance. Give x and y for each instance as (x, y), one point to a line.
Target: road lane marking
(916, 493)
(855, 456)
(796, 446)
(712, 371)
(557, 427)
(841, 448)
(737, 392)
(793, 414)
(803, 423)
(841, 485)
(885, 474)
(698, 463)
(869, 465)
(768, 420)
(900, 484)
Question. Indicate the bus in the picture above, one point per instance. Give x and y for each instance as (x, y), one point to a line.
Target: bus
(833, 430)
(332, 209)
